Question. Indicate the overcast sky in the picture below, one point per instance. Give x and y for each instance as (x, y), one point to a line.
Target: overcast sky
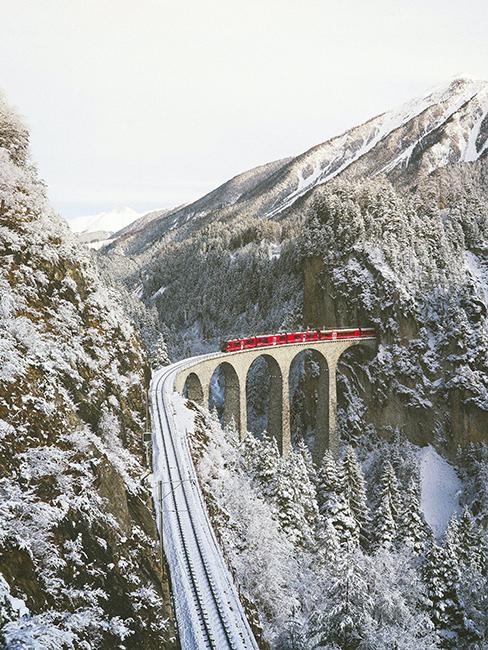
(151, 103)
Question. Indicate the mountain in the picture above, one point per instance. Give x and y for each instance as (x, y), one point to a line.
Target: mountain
(100, 227)
(80, 563)
(448, 125)
(386, 224)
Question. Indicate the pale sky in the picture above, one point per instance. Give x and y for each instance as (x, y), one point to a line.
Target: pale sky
(151, 103)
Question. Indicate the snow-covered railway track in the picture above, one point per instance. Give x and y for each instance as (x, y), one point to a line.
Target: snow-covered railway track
(208, 611)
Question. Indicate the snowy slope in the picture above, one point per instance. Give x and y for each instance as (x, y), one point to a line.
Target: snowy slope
(447, 125)
(441, 488)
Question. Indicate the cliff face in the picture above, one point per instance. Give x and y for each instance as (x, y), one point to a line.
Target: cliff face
(79, 558)
(415, 267)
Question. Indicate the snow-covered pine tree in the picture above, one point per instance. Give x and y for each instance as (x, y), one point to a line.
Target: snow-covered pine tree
(386, 517)
(328, 549)
(355, 492)
(295, 498)
(451, 537)
(441, 576)
(333, 505)
(232, 432)
(302, 449)
(262, 457)
(329, 479)
(159, 353)
(471, 549)
(348, 613)
(389, 486)
(413, 529)
(384, 532)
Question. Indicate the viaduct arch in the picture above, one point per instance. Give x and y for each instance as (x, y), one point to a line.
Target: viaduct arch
(235, 367)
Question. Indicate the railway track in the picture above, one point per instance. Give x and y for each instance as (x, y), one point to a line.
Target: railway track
(208, 611)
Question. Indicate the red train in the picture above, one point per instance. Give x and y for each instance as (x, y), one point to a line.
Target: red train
(267, 340)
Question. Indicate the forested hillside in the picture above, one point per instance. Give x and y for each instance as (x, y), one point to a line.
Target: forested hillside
(339, 555)
(79, 559)
(386, 225)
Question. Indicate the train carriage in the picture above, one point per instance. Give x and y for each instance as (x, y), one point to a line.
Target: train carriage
(287, 338)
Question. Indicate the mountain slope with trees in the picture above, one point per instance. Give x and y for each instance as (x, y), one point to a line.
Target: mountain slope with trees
(340, 556)
(401, 246)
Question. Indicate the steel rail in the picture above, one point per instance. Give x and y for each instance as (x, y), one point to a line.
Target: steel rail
(217, 618)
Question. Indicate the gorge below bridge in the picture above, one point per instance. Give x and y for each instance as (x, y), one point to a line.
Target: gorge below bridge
(196, 379)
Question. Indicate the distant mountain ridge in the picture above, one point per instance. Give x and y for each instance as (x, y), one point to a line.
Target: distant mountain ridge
(101, 226)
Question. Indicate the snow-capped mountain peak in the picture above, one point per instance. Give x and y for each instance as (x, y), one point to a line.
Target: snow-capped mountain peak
(107, 222)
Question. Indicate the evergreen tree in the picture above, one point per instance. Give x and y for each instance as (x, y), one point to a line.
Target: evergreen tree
(295, 498)
(385, 522)
(262, 458)
(231, 431)
(451, 537)
(355, 492)
(413, 529)
(333, 504)
(389, 487)
(328, 479)
(328, 550)
(338, 512)
(441, 576)
(384, 526)
(307, 457)
(470, 542)
(349, 614)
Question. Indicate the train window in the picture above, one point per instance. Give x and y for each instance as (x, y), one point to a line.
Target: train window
(249, 343)
(311, 336)
(280, 339)
(325, 336)
(295, 337)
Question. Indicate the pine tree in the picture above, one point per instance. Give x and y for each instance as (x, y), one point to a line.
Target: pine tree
(389, 486)
(451, 538)
(441, 576)
(349, 614)
(328, 550)
(302, 449)
(384, 526)
(333, 505)
(295, 499)
(355, 492)
(231, 431)
(328, 479)
(413, 529)
(470, 542)
(384, 530)
(264, 457)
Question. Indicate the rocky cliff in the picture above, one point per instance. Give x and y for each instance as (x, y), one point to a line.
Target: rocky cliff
(80, 565)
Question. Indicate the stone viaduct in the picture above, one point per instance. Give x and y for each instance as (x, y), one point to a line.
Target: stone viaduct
(235, 367)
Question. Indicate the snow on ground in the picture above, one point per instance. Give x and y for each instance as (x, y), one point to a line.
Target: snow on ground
(478, 269)
(441, 488)
(183, 416)
(97, 245)
(157, 293)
